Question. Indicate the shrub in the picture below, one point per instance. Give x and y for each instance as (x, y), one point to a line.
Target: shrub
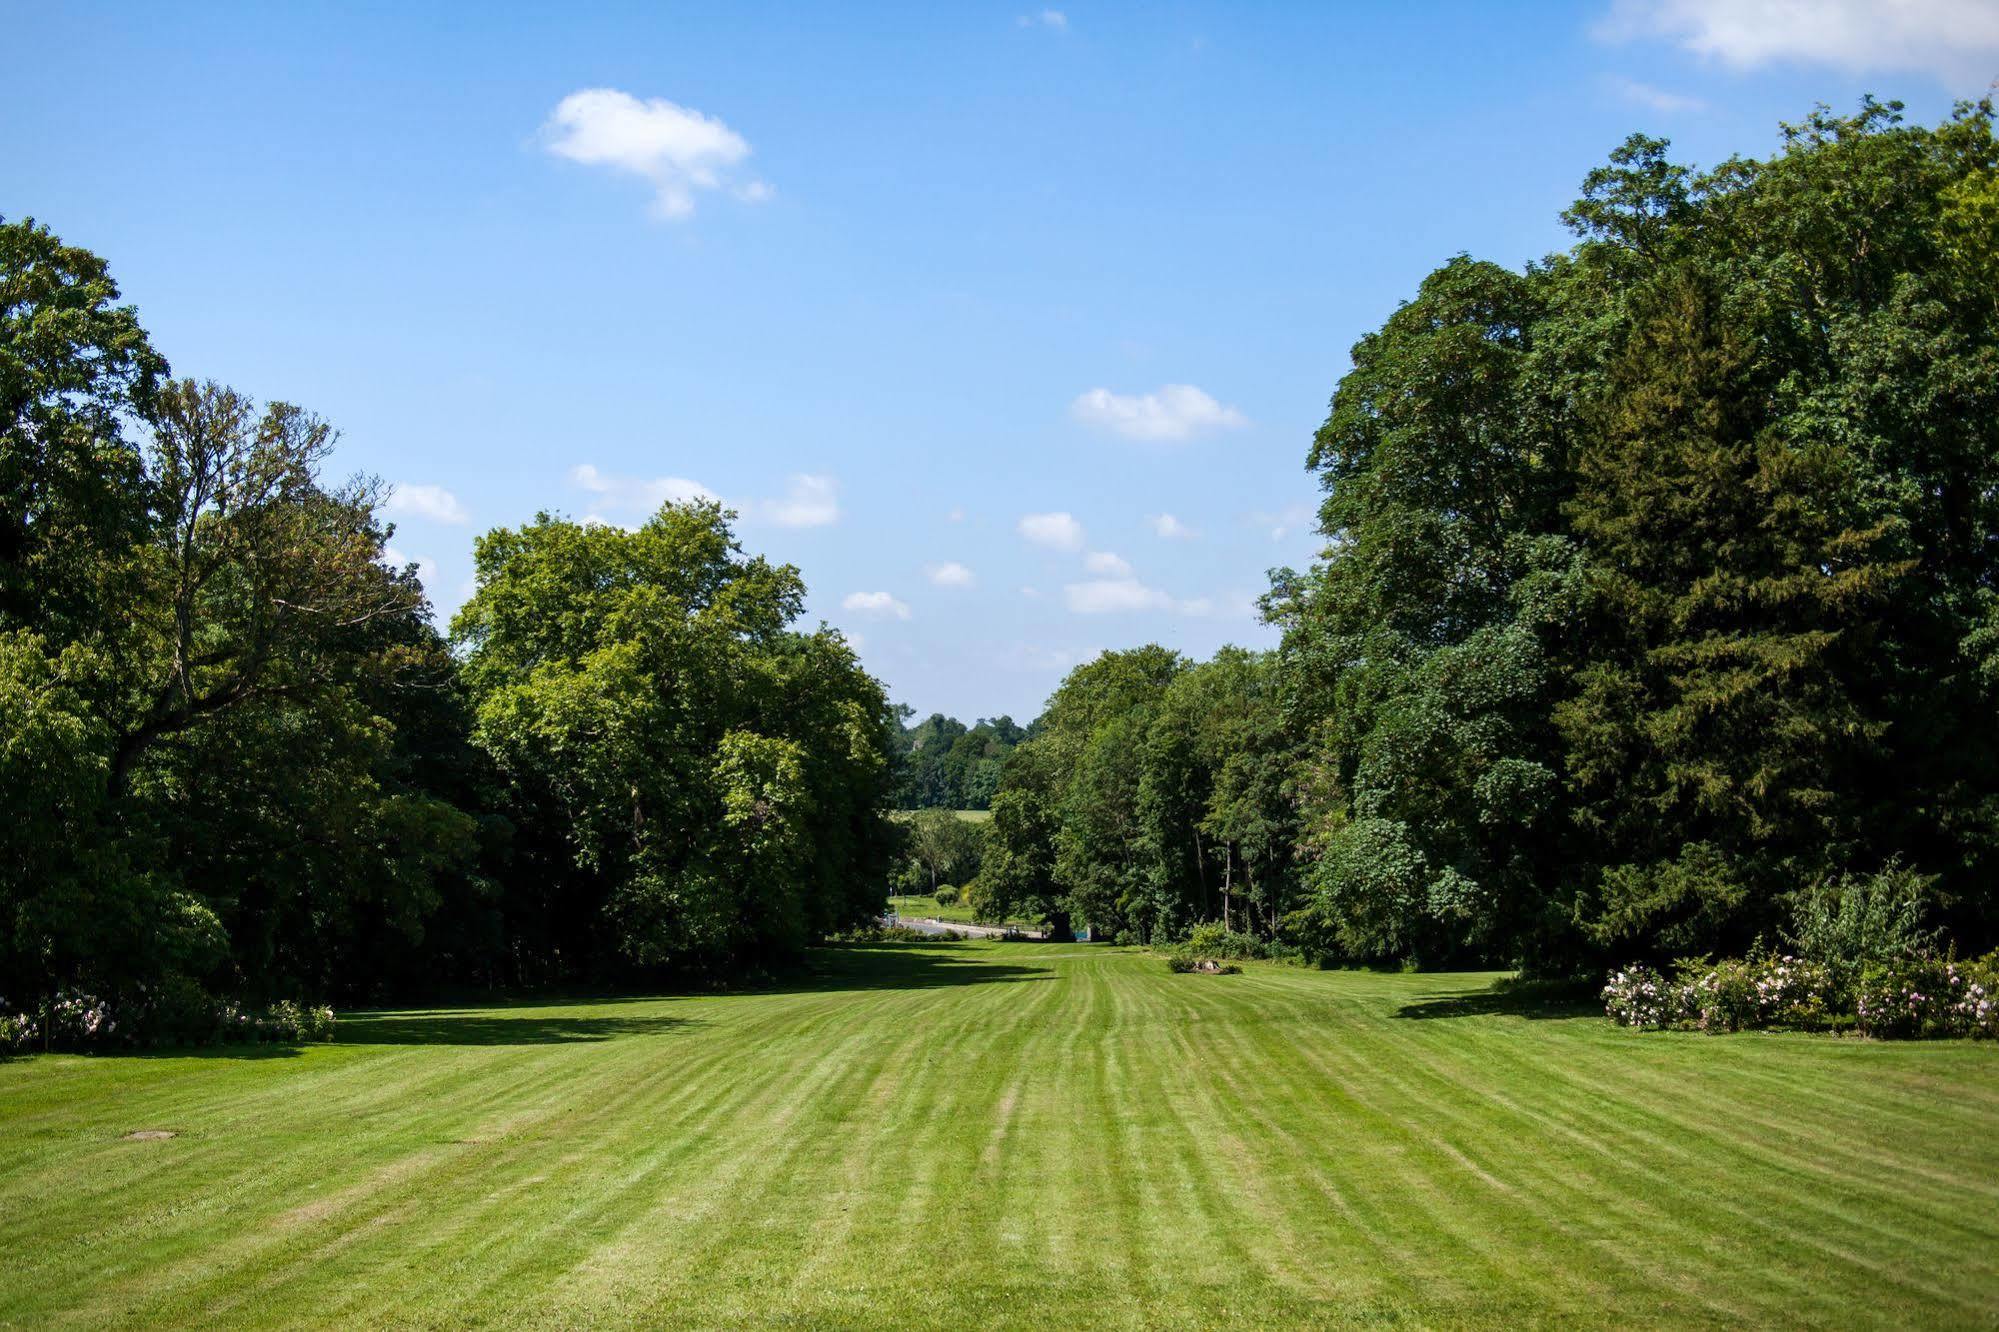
(946, 895)
(1978, 1005)
(1212, 939)
(1731, 995)
(179, 1012)
(1181, 961)
(17, 1030)
(176, 1011)
(1907, 998)
(885, 934)
(1793, 992)
(1640, 997)
(1856, 919)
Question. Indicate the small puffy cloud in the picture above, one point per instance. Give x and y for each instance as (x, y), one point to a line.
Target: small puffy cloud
(1036, 657)
(1105, 563)
(676, 148)
(1954, 41)
(1290, 519)
(1173, 412)
(638, 495)
(1103, 596)
(427, 570)
(951, 574)
(809, 501)
(1171, 528)
(1057, 531)
(880, 605)
(1046, 18)
(1656, 99)
(410, 500)
(957, 515)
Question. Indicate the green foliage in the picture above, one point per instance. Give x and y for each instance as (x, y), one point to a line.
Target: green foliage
(1852, 920)
(1213, 939)
(1155, 794)
(1657, 579)
(941, 847)
(717, 779)
(947, 765)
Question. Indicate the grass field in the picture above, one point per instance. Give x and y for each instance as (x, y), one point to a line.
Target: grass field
(982, 1134)
(957, 913)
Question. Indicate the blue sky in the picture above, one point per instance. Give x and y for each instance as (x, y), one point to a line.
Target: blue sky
(957, 304)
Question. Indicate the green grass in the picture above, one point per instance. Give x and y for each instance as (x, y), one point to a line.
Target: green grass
(975, 1134)
(958, 913)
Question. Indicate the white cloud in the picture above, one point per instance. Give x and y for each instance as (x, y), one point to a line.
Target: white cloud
(1955, 41)
(1287, 520)
(1174, 412)
(1031, 593)
(1101, 596)
(1047, 18)
(678, 149)
(1171, 528)
(951, 574)
(638, 495)
(1034, 657)
(809, 501)
(957, 515)
(881, 605)
(1058, 531)
(426, 569)
(1656, 99)
(433, 502)
(1105, 563)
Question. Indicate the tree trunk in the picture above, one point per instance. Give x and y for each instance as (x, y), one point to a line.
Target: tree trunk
(1228, 882)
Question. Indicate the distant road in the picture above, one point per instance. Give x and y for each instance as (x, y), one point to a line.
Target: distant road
(930, 926)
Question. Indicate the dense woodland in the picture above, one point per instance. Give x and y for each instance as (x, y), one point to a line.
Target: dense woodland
(1659, 607)
(949, 765)
(237, 760)
(1658, 610)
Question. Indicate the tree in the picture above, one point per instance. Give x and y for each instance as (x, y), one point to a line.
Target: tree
(75, 369)
(1658, 577)
(720, 781)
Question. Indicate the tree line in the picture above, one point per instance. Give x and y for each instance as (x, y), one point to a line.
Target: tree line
(949, 765)
(238, 762)
(1658, 612)
(1659, 599)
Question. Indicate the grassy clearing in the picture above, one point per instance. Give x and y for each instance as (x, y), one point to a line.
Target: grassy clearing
(953, 1134)
(957, 913)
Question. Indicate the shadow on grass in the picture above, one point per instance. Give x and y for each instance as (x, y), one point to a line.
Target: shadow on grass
(554, 1021)
(1511, 998)
(501, 1026)
(901, 965)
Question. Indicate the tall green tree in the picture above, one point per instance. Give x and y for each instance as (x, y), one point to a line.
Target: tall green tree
(720, 782)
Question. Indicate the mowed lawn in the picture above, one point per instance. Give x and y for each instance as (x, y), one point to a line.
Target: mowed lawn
(987, 1134)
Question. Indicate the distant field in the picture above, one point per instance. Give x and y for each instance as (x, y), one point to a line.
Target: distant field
(958, 913)
(968, 815)
(1010, 1135)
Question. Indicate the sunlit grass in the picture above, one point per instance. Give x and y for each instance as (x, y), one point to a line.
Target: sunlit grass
(975, 1134)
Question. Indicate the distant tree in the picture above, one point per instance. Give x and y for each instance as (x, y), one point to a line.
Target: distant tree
(945, 846)
(721, 780)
